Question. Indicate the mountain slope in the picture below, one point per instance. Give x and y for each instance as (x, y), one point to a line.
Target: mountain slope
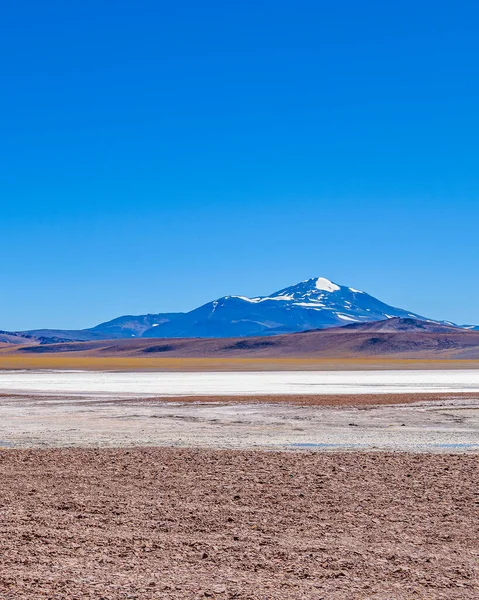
(316, 303)
(131, 325)
(122, 327)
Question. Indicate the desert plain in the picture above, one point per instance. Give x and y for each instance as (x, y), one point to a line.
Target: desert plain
(345, 483)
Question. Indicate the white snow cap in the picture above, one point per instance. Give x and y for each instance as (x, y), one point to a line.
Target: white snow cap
(325, 285)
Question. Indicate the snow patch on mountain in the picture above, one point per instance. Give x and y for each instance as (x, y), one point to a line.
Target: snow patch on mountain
(326, 285)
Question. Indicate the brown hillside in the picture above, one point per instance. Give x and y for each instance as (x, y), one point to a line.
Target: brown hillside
(330, 343)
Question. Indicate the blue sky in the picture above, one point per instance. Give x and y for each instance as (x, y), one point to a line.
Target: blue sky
(156, 155)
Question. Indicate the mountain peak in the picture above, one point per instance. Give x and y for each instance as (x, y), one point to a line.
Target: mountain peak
(309, 289)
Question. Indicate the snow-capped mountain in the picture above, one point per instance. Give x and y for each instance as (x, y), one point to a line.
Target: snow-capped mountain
(316, 303)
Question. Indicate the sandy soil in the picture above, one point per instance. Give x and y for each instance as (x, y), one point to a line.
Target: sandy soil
(151, 524)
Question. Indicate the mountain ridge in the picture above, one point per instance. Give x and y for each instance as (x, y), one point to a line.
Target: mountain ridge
(122, 327)
(315, 303)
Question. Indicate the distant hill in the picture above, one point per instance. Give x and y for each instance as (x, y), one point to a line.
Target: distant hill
(393, 338)
(122, 327)
(9, 337)
(403, 324)
(132, 326)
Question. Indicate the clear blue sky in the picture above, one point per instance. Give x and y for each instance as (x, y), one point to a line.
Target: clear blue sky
(155, 155)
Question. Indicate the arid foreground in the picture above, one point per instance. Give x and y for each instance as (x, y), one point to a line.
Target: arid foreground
(179, 524)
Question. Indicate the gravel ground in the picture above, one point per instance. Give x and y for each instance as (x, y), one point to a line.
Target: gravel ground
(165, 523)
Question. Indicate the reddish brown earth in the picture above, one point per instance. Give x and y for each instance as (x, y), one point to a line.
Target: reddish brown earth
(338, 400)
(178, 524)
